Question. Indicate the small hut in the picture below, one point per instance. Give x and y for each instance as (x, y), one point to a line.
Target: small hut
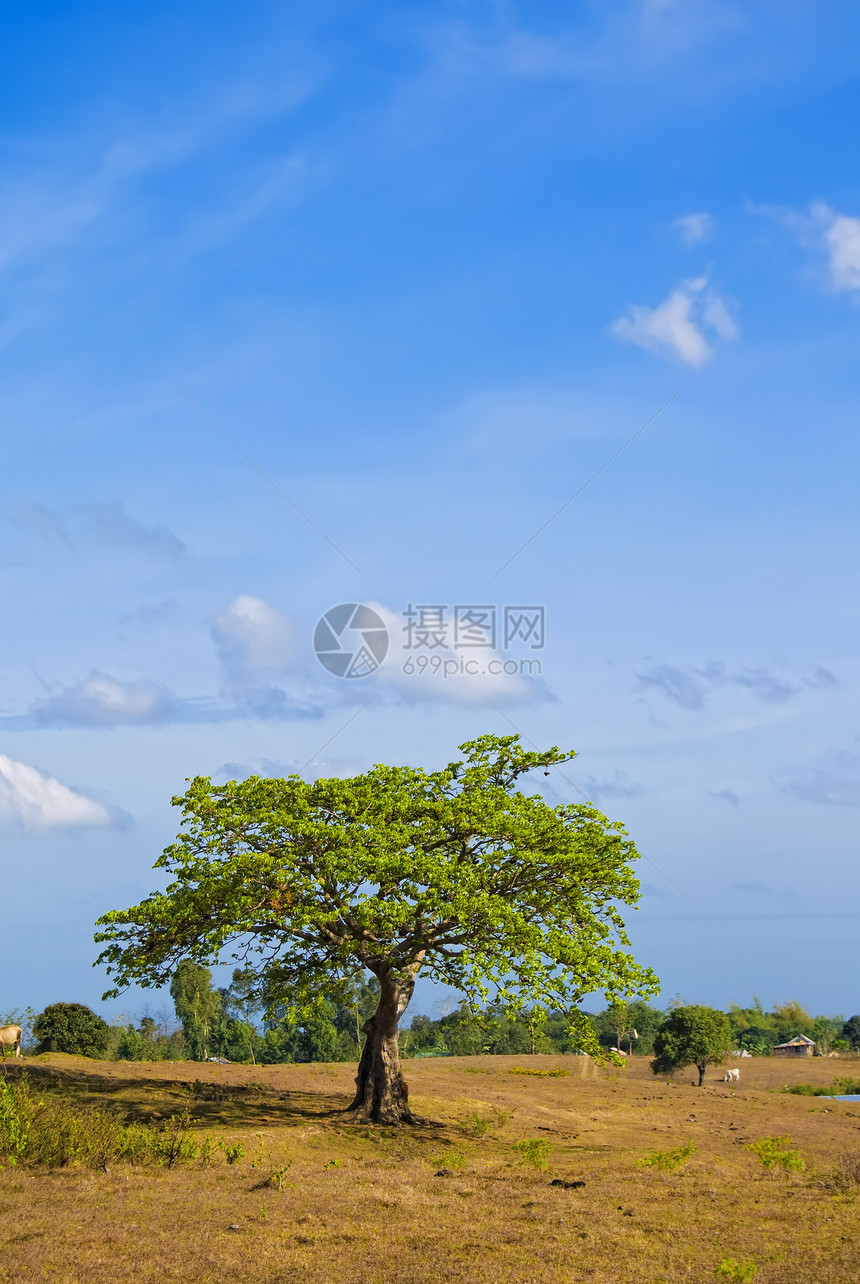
(799, 1046)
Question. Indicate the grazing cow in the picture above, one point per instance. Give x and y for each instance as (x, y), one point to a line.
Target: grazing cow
(10, 1037)
(731, 1076)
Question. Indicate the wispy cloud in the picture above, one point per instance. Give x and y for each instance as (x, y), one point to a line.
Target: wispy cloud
(821, 229)
(620, 785)
(725, 795)
(76, 182)
(689, 688)
(36, 801)
(684, 325)
(841, 237)
(680, 686)
(693, 229)
(836, 786)
(105, 524)
(104, 701)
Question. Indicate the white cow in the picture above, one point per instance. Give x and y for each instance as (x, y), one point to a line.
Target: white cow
(731, 1076)
(10, 1036)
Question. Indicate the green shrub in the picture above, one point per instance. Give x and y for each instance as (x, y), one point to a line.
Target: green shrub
(71, 1027)
(742, 1272)
(845, 1087)
(48, 1129)
(478, 1125)
(233, 1153)
(773, 1154)
(556, 1073)
(668, 1161)
(451, 1159)
(534, 1152)
(277, 1179)
(838, 1088)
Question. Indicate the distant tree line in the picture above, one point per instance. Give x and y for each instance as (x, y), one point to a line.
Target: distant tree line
(229, 1023)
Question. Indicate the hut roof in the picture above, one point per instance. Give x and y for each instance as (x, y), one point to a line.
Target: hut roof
(799, 1041)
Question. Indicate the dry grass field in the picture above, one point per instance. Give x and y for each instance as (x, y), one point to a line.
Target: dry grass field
(452, 1199)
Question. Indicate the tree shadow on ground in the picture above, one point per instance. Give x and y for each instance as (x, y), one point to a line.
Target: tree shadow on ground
(246, 1105)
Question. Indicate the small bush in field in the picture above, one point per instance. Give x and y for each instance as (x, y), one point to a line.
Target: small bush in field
(845, 1087)
(668, 1161)
(49, 1130)
(773, 1154)
(478, 1125)
(742, 1272)
(232, 1153)
(277, 1179)
(534, 1152)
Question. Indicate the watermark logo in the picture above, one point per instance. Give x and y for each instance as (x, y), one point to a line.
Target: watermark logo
(351, 640)
(440, 627)
(435, 639)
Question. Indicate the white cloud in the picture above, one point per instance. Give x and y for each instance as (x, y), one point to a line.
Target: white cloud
(103, 701)
(841, 234)
(36, 801)
(253, 638)
(466, 676)
(694, 228)
(678, 324)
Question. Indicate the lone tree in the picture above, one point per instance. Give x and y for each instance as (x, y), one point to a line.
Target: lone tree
(456, 874)
(692, 1036)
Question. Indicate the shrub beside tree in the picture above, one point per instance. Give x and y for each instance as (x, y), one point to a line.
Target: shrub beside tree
(73, 1028)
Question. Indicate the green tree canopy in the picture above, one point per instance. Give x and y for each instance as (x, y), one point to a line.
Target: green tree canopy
(790, 1019)
(197, 1006)
(456, 874)
(71, 1027)
(694, 1035)
(851, 1032)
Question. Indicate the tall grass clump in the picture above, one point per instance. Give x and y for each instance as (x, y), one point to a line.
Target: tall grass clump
(47, 1129)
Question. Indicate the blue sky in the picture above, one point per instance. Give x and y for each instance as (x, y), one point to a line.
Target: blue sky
(429, 267)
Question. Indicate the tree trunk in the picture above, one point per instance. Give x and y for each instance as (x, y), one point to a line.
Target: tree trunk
(381, 1093)
(701, 1069)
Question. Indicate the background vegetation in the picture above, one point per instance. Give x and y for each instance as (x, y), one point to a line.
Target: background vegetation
(228, 1024)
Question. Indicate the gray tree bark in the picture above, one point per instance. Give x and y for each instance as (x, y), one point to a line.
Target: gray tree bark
(381, 1093)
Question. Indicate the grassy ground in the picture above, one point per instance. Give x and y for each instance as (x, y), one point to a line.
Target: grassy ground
(450, 1199)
